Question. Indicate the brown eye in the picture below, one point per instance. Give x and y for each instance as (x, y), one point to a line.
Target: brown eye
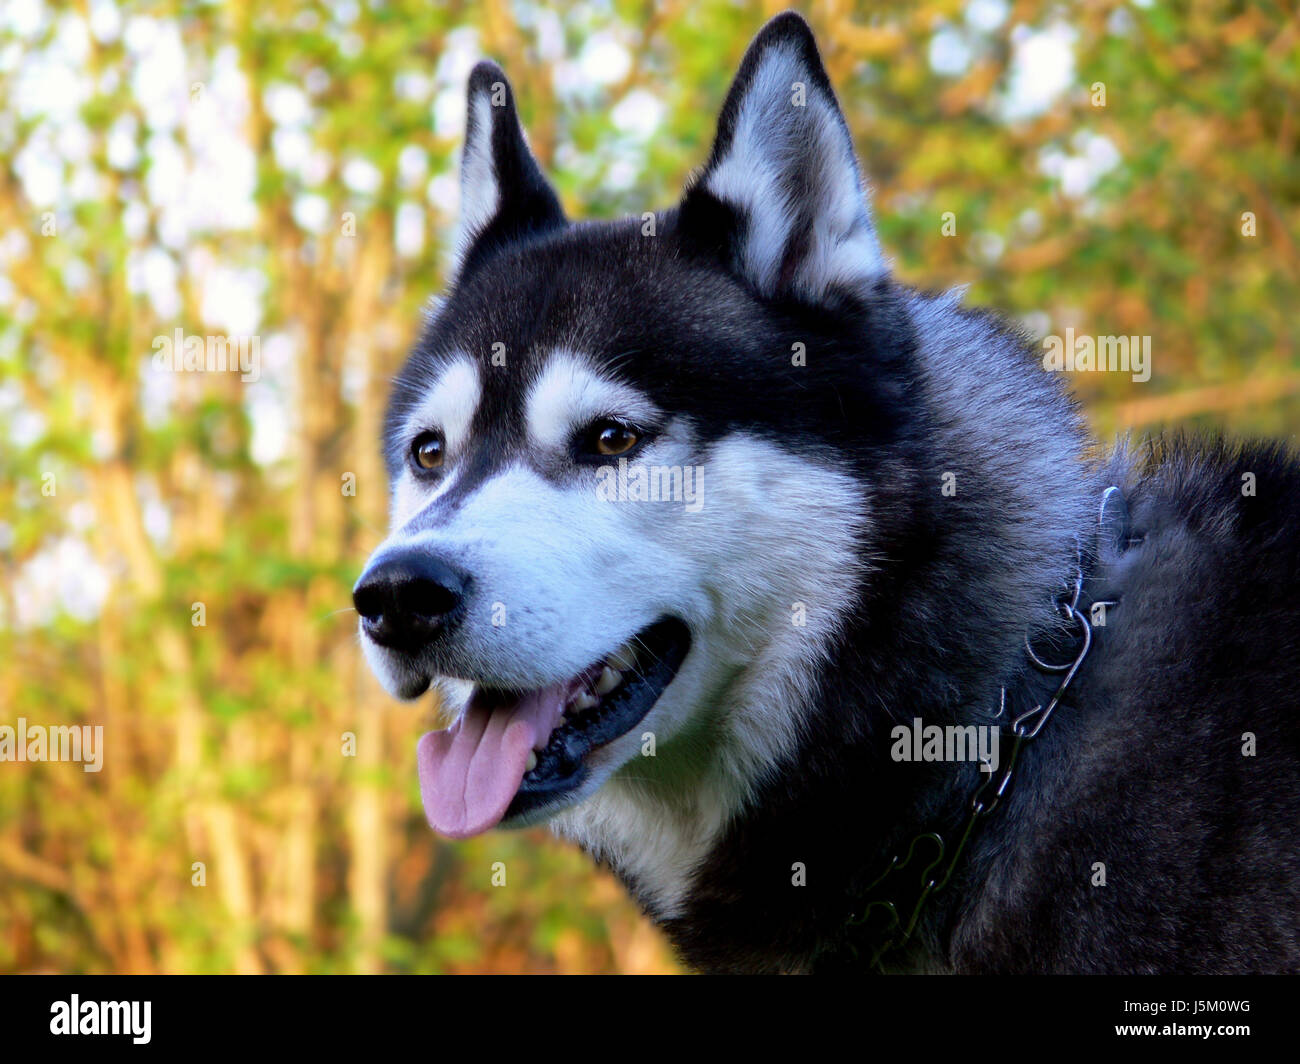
(610, 438)
(427, 450)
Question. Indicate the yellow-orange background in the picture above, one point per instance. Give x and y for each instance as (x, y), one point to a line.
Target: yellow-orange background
(291, 166)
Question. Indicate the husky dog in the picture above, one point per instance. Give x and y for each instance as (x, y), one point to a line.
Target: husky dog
(700, 517)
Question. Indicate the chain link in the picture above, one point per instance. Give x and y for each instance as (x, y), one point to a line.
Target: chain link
(1024, 729)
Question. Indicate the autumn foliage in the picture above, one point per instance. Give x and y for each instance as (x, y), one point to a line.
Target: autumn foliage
(177, 549)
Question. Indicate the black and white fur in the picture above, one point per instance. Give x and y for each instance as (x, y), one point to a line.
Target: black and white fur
(822, 486)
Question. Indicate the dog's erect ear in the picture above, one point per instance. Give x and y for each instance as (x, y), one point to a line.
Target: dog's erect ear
(781, 197)
(503, 194)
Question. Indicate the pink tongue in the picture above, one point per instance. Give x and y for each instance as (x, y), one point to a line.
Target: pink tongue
(469, 773)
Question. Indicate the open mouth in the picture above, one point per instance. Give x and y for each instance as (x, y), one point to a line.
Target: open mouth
(511, 752)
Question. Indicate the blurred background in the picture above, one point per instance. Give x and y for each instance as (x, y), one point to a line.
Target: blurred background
(177, 548)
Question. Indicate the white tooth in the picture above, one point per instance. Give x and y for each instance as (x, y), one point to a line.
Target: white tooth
(623, 658)
(585, 700)
(532, 761)
(609, 679)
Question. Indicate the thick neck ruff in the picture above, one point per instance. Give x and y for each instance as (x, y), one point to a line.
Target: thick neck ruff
(891, 906)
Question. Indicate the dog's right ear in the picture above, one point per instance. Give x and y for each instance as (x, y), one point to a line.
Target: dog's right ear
(503, 194)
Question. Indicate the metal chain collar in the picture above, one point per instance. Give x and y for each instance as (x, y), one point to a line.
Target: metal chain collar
(986, 799)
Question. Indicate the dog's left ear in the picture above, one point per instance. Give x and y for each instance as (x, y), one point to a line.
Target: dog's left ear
(781, 197)
(503, 194)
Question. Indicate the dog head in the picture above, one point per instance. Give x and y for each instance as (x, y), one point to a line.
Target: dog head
(624, 529)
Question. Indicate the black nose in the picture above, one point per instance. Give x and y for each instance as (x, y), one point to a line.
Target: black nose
(408, 598)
